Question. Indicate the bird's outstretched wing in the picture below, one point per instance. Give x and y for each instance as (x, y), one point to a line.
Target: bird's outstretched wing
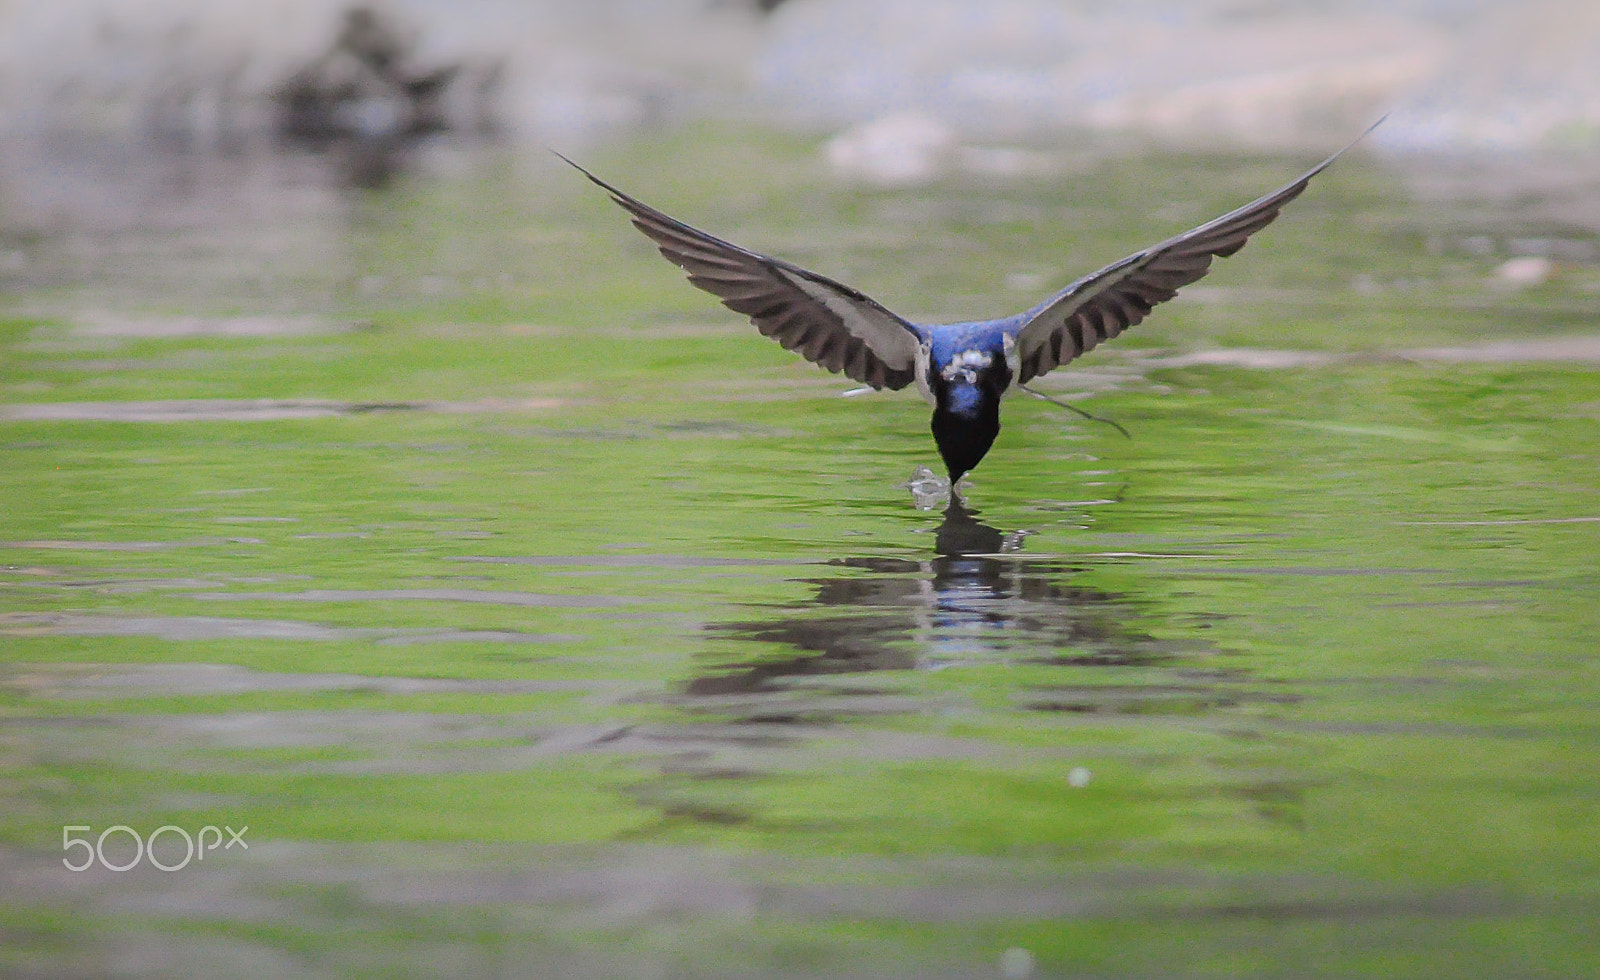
(827, 322)
(1103, 304)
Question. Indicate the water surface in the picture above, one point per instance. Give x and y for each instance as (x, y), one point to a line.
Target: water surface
(540, 619)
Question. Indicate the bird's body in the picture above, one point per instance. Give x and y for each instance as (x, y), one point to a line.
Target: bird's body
(964, 370)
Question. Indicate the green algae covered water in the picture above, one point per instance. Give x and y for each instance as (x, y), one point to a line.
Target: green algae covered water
(526, 615)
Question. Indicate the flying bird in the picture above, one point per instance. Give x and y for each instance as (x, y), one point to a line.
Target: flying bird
(964, 370)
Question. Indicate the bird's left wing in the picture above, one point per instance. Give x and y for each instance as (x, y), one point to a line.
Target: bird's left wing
(1103, 304)
(827, 322)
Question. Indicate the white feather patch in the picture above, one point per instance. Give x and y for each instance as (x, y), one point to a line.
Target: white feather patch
(966, 366)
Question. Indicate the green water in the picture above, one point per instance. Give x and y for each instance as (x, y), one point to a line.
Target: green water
(587, 633)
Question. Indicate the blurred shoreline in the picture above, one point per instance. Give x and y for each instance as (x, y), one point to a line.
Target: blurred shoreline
(121, 116)
(1457, 76)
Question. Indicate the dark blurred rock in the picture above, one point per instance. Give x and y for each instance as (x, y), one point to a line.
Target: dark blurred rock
(368, 98)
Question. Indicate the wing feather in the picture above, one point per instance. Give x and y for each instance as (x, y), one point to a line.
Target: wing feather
(827, 322)
(1101, 305)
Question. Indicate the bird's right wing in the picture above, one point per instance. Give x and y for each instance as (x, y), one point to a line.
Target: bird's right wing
(827, 322)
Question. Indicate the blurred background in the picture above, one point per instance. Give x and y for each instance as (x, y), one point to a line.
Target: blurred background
(904, 84)
(244, 120)
(1462, 75)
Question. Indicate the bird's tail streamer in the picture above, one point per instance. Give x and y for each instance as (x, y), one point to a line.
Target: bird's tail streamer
(1074, 408)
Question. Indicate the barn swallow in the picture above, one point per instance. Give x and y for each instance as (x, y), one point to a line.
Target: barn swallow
(963, 370)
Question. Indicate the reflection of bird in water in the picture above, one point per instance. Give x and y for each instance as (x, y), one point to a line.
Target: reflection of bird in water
(961, 533)
(974, 601)
(962, 369)
(969, 589)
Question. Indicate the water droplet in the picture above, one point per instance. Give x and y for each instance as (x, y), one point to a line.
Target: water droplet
(1016, 963)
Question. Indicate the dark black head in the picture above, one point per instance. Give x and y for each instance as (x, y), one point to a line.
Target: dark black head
(964, 439)
(967, 390)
